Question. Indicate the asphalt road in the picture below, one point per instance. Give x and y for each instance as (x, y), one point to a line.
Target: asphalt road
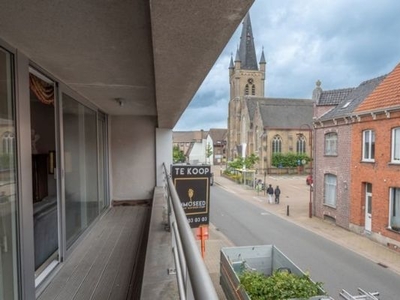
(337, 267)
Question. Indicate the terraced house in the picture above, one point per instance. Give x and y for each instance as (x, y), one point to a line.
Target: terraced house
(356, 157)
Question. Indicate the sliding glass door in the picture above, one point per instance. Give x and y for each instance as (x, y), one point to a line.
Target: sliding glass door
(8, 195)
(80, 167)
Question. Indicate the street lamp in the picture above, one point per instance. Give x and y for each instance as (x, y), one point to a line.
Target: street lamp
(311, 165)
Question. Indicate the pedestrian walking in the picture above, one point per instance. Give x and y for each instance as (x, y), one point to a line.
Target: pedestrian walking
(277, 193)
(270, 192)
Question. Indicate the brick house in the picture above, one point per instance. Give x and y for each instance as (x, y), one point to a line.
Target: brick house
(333, 146)
(375, 164)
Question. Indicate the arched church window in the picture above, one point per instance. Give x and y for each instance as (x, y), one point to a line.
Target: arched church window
(253, 89)
(301, 144)
(246, 89)
(8, 140)
(277, 144)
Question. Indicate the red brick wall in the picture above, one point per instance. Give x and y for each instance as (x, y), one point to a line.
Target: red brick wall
(381, 174)
(336, 165)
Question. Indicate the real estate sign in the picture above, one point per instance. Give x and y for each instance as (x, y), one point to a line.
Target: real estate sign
(192, 184)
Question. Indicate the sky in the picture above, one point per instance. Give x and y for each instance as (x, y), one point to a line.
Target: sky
(339, 42)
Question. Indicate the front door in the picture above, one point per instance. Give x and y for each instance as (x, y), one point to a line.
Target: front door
(368, 207)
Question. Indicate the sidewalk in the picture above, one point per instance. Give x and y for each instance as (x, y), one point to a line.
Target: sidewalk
(295, 194)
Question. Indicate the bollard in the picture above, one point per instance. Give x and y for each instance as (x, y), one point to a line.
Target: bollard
(287, 210)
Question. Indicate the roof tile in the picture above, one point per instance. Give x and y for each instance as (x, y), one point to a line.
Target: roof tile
(386, 95)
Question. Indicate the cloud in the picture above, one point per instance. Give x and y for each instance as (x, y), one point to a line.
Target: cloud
(339, 42)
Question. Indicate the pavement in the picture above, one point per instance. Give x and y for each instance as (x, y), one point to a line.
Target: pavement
(296, 196)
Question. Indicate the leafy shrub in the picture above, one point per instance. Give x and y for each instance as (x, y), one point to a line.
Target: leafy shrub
(289, 159)
(280, 285)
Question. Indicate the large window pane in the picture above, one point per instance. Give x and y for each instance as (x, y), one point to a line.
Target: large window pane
(368, 145)
(80, 156)
(394, 219)
(8, 197)
(330, 190)
(396, 145)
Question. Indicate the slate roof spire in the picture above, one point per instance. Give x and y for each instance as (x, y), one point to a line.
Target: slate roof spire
(247, 51)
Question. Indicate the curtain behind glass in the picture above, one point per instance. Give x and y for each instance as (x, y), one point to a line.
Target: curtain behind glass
(80, 156)
(8, 197)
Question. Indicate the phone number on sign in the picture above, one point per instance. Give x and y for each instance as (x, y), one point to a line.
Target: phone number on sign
(197, 219)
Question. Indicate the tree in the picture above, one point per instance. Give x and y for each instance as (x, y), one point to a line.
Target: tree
(251, 160)
(178, 156)
(248, 162)
(209, 152)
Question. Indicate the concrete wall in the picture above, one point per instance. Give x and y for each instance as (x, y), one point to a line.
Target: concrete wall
(132, 145)
(198, 153)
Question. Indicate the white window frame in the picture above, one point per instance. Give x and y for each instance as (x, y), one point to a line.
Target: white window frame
(368, 152)
(330, 190)
(331, 144)
(394, 209)
(396, 145)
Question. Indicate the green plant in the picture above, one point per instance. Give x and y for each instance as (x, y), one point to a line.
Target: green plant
(178, 156)
(248, 162)
(209, 151)
(289, 159)
(280, 285)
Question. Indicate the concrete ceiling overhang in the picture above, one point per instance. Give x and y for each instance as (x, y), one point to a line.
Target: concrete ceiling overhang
(153, 55)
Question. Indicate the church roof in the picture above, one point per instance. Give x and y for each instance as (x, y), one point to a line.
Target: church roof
(247, 51)
(353, 99)
(386, 95)
(333, 97)
(286, 113)
(282, 112)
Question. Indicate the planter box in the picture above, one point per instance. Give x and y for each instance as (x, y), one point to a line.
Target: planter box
(265, 259)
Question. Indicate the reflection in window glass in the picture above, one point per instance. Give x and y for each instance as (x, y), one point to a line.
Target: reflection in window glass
(394, 217)
(330, 190)
(8, 197)
(80, 156)
(331, 143)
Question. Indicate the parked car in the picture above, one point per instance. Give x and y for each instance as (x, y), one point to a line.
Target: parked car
(309, 180)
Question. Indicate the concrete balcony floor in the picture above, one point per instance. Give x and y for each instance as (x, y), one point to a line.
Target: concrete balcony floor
(108, 262)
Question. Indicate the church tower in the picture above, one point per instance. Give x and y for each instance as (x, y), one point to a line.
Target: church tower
(246, 78)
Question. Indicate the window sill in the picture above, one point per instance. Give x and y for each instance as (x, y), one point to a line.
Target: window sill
(330, 206)
(392, 230)
(368, 161)
(330, 155)
(394, 163)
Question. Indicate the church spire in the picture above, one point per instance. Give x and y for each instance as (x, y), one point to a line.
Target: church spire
(247, 51)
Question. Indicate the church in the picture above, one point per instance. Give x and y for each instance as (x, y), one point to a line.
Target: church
(257, 124)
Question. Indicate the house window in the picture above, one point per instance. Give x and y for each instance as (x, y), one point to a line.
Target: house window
(330, 190)
(331, 143)
(301, 145)
(396, 145)
(253, 89)
(8, 142)
(368, 145)
(394, 209)
(277, 144)
(246, 89)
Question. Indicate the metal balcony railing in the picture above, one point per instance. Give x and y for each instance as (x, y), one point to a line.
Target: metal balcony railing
(193, 279)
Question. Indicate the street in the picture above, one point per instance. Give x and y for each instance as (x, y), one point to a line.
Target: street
(246, 224)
